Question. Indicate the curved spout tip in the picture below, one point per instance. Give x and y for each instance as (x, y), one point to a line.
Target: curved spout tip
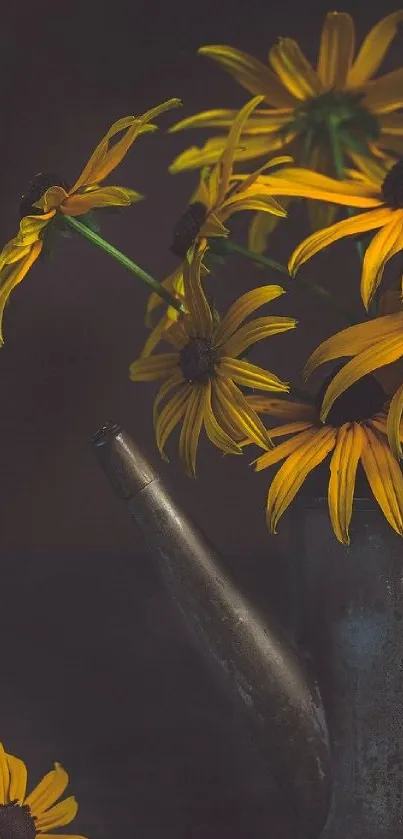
(103, 435)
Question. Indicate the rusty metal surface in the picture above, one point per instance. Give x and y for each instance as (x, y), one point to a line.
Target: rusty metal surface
(351, 620)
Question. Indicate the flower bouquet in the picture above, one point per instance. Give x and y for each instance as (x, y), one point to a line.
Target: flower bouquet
(330, 136)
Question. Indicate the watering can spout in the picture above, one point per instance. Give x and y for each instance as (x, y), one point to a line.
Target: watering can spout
(258, 665)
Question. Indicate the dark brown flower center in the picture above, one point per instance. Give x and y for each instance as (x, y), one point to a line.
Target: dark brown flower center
(392, 187)
(359, 402)
(187, 228)
(16, 822)
(196, 362)
(38, 186)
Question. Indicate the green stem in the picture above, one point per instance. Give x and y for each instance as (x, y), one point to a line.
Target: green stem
(319, 290)
(124, 260)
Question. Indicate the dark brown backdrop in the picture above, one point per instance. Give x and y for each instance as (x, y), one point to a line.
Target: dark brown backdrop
(96, 671)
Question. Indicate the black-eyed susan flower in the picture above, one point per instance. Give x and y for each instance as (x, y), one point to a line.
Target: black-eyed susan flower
(306, 102)
(379, 192)
(372, 345)
(354, 433)
(219, 193)
(47, 196)
(203, 373)
(25, 816)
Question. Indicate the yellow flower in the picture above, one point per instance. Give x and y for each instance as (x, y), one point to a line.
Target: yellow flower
(372, 345)
(378, 188)
(45, 198)
(220, 193)
(204, 370)
(352, 436)
(37, 814)
(303, 101)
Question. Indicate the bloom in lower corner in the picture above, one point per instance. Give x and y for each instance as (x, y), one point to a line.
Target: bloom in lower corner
(48, 196)
(25, 816)
(203, 373)
(355, 433)
(302, 101)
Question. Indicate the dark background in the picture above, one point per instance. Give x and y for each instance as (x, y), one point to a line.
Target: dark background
(96, 670)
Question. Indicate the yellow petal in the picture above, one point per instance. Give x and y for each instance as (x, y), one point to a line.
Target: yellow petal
(248, 148)
(385, 94)
(4, 777)
(297, 182)
(213, 227)
(233, 140)
(361, 223)
(392, 124)
(49, 789)
(250, 375)
(251, 74)
(374, 171)
(154, 367)
(254, 331)
(18, 779)
(14, 277)
(244, 306)
(156, 335)
(105, 158)
(384, 477)
(296, 468)
(261, 227)
(260, 202)
(392, 143)
(173, 382)
(61, 836)
(373, 49)
(343, 469)
(29, 232)
(354, 340)
(384, 352)
(173, 283)
(199, 321)
(336, 50)
(107, 196)
(294, 69)
(263, 120)
(281, 408)
(170, 415)
(289, 428)
(190, 431)
(393, 423)
(214, 431)
(240, 415)
(283, 450)
(59, 815)
(384, 245)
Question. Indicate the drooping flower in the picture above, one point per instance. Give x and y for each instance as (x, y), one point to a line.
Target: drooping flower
(379, 192)
(25, 816)
(47, 195)
(355, 432)
(203, 372)
(219, 194)
(371, 345)
(303, 102)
